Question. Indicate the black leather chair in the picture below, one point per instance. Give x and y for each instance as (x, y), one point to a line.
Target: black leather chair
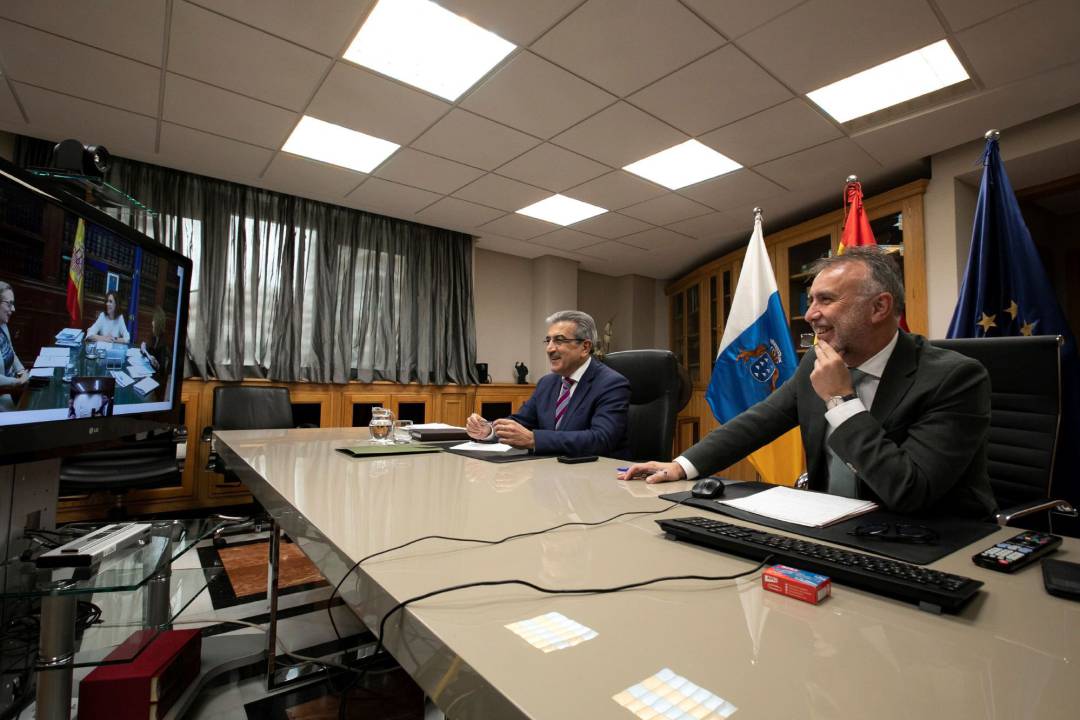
(1025, 417)
(139, 463)
(659, 389)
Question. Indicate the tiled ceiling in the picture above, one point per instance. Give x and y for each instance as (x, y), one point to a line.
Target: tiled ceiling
(216, 86)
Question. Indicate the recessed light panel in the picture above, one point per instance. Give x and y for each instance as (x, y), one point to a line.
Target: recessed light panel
(685, 164)
(562, 210)
(427, 46)
(329, 143)
(909, 76)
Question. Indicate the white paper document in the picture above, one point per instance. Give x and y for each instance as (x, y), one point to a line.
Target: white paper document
(435, 426)
(42, 372)
(122, 378)
(482, 447)
(139, 371)
(58, 351)
(146, 385)
(50, 361)
(801, 507)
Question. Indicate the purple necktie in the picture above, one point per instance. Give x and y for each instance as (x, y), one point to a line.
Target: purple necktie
(564, 401)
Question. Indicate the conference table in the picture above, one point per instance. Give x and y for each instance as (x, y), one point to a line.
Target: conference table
(1012, 652)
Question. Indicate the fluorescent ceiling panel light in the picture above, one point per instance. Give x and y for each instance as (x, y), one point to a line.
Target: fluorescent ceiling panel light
(427, 46)
(685, 164)
(338, 145)
(909, 76)
(562, 210)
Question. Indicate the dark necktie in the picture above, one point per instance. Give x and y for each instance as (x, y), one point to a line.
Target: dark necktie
(563, 402)
(841, 480)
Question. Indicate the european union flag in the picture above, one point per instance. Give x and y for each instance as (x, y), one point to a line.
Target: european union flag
(1006, 291)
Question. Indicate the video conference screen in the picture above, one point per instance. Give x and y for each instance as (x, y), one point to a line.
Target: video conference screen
(88, 315)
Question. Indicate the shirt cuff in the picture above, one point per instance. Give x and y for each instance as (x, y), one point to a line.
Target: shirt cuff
(688, 467)
(843, 411)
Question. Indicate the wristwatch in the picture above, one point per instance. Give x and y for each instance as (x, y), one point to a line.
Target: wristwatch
(837, 400)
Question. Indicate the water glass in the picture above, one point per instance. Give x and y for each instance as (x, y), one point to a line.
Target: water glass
(381, 426)
(403, 432)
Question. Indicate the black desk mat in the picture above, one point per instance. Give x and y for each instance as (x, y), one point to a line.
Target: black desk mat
(954, 533)
(509, 456)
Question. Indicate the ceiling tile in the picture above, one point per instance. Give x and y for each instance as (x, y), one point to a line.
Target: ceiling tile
(654, 238)
(474, 140)
(736, 17)
(458, 214)
(622, 45)
(734, 190)
(519, 226)
(41, 59)
(826, 164)
(234, 115)
(132, 28)
(412, 167)
(533, 95)
(611, 225)
(207, 154)
(55, 117)
(781, 130)
(510, 246)
(616, 190)
(519, 21)
(965, 13)
(615, 250)
(966, 121)
(499, 192)
(309, 178)
(666, 209)
(823, 41)
(383, 196)
(565, 239)
(328, 30)
(355, 98)
(620, 135)
(713, 225)
(214, 49)
(1025, 41)
(713, 91)
(552, 167)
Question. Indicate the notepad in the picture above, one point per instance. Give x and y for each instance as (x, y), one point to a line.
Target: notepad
(801, 507)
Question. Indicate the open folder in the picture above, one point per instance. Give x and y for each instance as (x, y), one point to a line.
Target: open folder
(801, 507)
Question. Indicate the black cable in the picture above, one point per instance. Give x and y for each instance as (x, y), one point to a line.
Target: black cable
(515, 536)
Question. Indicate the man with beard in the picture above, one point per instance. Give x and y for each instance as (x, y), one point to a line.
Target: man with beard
(884, 415)
(579, 408)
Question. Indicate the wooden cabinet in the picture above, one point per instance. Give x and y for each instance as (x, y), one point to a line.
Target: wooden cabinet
(699, 302)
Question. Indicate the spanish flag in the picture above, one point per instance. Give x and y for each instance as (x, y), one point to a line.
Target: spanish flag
(857, 230)
(75, 276)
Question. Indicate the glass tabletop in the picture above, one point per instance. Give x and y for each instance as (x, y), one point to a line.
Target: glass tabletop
(124, 570)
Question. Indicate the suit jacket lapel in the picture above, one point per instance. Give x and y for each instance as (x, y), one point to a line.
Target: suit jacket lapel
(897, 379)
(581, 390)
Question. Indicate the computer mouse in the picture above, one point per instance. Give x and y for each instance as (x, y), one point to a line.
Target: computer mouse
(707, 488)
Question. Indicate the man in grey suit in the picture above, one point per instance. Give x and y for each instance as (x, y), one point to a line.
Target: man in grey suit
(884, 415)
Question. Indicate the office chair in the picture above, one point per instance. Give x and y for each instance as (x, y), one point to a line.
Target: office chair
(1025, 418)
(659, 389)
(145, 462)
(240, 407)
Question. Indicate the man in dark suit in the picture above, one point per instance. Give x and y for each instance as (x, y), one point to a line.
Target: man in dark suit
(580, 408)
(884, 415)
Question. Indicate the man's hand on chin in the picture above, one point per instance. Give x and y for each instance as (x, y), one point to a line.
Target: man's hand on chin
(514, 434)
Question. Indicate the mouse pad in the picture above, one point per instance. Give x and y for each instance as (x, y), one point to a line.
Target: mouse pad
(953, 533)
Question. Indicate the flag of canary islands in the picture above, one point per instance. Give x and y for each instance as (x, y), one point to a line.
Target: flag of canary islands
(756, 356)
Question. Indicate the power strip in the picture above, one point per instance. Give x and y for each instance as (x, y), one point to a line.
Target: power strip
(90, 549)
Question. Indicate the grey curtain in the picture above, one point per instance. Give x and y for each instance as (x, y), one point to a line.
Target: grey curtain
(292, 289)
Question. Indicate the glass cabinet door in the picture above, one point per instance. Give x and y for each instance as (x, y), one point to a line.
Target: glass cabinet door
(693, 333)
(801, 258)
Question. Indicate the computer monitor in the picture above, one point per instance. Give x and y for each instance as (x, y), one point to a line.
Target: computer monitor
(104, 370)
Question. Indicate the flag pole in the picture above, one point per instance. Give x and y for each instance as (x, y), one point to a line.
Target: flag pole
(992, 134)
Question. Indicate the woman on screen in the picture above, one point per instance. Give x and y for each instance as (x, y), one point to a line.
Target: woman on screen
(157, 350)
(12, 373)
(110, 325)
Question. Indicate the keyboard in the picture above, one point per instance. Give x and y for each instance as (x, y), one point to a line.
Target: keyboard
(931, 590)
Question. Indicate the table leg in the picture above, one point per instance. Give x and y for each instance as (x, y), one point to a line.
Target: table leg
(56, 654)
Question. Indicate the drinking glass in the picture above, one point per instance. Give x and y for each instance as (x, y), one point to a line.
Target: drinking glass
(381, 426)
(403, 432)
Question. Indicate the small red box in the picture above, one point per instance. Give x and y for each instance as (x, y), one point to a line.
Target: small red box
(799, 584)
